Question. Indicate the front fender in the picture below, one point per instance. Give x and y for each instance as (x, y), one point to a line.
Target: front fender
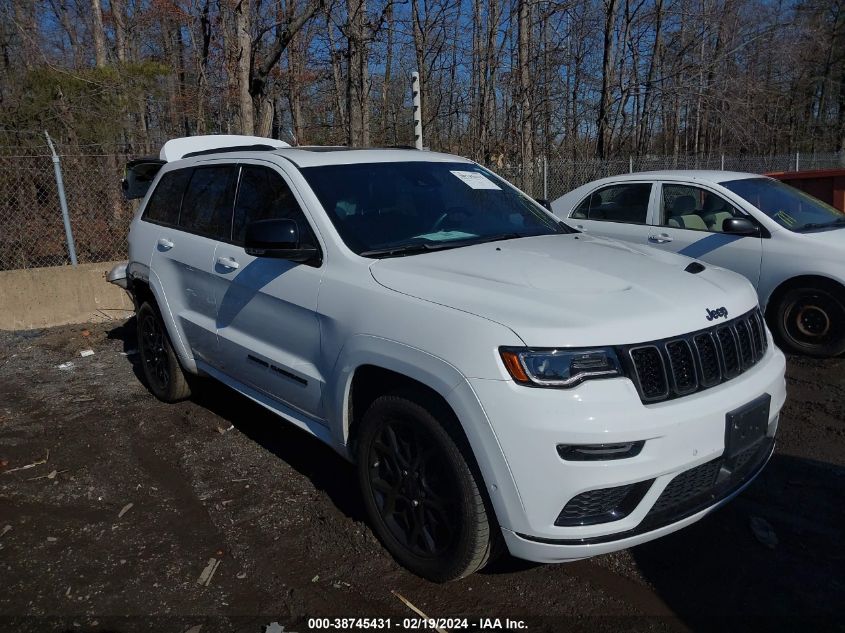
(444, 378)
(177, 337)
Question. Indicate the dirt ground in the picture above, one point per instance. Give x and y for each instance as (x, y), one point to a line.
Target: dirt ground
(132, 500)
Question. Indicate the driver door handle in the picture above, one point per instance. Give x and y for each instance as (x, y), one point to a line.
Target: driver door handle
(165, 244)
(228, 262)
(660, 239)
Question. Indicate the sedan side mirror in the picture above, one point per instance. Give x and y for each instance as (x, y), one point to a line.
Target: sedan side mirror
(545, 203)
(277, 238)
(740, 226)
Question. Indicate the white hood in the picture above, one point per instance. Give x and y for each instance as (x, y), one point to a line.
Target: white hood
(571, 290)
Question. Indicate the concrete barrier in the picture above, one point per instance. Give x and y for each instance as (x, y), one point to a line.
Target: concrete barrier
(59, 295)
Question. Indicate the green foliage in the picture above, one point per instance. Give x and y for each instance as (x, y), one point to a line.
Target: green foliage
(90, 106)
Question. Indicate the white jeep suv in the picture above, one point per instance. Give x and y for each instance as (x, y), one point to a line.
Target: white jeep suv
(494, 374)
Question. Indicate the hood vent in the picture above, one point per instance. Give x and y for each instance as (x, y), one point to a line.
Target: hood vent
(694, 268)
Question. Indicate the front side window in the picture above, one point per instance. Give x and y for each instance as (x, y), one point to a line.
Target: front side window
(694, 208)
(791, 208)
(264, 195)
(163, 207)
(379, 208)
(207, 207)
(626, 202)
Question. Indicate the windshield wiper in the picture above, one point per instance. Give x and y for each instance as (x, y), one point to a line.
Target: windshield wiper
(495, 238)
(821, 225)
(405, 249)
(425, 247)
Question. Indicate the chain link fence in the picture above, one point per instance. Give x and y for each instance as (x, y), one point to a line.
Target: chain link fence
(32, 230)
(33, 233)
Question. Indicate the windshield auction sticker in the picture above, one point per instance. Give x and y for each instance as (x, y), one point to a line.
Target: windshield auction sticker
(475, 180)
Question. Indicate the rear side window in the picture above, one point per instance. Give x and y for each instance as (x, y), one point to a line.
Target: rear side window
(626, 202)
(207, 207)
(164, 204)
(264, 195)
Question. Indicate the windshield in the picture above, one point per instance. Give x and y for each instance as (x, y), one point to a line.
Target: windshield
(385, 209)
(791, 208)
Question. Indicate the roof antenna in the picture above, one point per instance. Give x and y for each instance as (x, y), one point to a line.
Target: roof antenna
(293, 137)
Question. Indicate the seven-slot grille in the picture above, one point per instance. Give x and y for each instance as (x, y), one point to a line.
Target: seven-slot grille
(685, 364)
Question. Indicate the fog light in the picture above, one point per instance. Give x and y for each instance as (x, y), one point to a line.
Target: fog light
(599, 452)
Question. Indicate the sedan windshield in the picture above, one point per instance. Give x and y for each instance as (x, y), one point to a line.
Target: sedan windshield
(791, 208)
(391, 209)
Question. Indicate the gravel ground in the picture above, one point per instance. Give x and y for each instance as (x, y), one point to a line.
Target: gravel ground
(131, 502)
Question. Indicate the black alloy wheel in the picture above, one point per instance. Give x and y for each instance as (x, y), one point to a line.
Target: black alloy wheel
(411, 488)
(160, 365)
(422, 491)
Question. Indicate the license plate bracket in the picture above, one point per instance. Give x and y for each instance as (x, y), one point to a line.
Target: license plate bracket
(746, 426)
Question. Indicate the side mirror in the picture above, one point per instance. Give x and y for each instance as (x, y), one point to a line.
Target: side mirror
(277, 238)
(740, 226)
(545, 203)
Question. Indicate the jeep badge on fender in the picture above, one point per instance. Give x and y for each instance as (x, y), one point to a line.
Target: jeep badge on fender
(718, 313)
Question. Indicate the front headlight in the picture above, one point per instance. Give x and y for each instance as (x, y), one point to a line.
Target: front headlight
(559, 367)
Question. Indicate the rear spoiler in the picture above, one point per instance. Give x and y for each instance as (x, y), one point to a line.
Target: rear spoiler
(140, 173)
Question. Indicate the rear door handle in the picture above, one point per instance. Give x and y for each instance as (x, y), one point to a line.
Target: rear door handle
(228, 262)
(660, 239)
(165, 243)
(580, 227)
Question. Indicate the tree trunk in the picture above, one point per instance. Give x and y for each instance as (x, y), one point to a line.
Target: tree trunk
(118, 14)
(337, 76)
(388, 67)
(295, 91)
(526, 106)
(98, 33)
(643, 127)
(606, 73)
(243, 44)
(357, 105)
(202, 67)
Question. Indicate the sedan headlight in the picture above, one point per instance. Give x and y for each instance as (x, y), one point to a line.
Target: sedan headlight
(559, 367)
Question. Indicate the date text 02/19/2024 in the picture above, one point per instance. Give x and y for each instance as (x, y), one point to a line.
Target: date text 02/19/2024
(417, 624)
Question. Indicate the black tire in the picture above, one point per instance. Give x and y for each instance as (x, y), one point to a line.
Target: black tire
(162, 372)
(421, 494)
(810, 319)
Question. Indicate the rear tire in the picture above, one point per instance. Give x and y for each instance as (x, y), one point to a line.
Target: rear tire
(162, 372)
(810, 319)
(422, 497)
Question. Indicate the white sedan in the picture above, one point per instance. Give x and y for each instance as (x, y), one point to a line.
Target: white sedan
(790, 245)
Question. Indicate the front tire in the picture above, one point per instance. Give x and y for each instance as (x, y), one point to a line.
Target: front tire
(162, 372)
(420, 493)
(810, 319)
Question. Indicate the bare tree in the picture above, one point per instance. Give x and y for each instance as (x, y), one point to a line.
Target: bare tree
(98, 33)
(526, 106)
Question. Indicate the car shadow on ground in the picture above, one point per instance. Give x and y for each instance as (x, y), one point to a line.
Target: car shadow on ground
(127, 333)
(327, 470)
(774, 551)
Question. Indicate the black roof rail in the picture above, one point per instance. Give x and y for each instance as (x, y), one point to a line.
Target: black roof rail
(236, 148)
(346, 148)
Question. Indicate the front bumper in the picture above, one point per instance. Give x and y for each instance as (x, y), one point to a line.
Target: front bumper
(683, 437)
